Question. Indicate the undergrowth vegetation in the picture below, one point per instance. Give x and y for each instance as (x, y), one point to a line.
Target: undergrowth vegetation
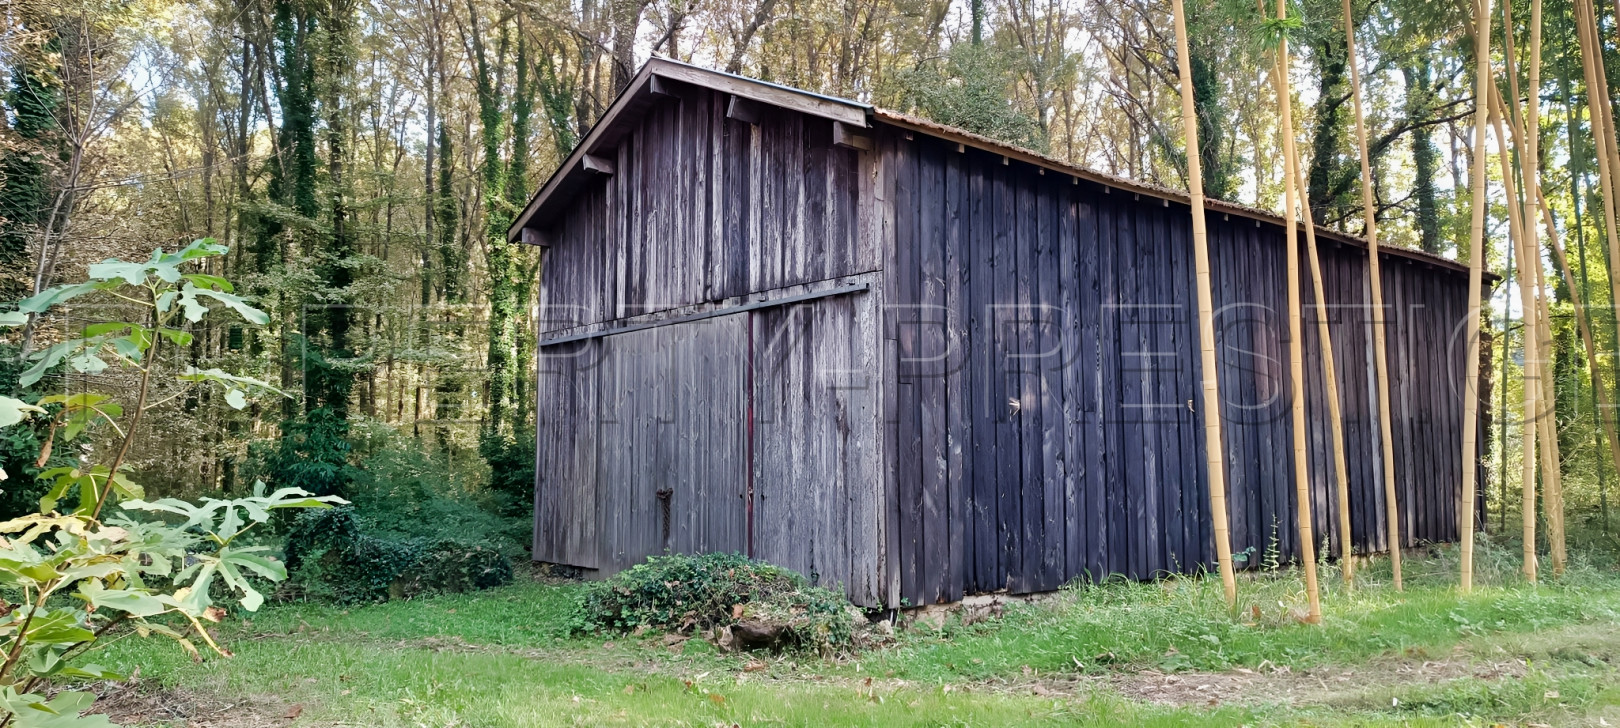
(687, 594)
(521, 654)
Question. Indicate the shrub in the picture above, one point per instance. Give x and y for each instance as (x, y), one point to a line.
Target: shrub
(511, 471)
(330, 556)
(21, 444)
(683, 593)
(402, 492)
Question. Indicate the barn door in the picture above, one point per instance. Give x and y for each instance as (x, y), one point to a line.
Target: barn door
(816, 485)
(754, 432)
(670, 440)
(565, 488)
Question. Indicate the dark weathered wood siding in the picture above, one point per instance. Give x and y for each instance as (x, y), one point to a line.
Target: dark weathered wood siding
(1045, 359)
(702, 208)
(921, 370)
(652, 440)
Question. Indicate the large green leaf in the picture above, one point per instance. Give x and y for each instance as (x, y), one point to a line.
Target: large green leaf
(131, 273)
(190, 295)
(137, 604)
(14, 410)
(49, 297)
(199, 248)
(66, 710)
(61, 626)
(50, 357)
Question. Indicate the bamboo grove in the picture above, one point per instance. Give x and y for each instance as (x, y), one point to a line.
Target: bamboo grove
(363, 160)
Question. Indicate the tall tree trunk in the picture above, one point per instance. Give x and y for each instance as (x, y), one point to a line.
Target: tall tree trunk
(1327, 165)
(1425, 156)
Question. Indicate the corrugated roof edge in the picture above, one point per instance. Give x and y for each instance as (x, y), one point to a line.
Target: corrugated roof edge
(690, 73)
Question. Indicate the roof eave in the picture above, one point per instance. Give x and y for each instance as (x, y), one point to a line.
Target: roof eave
(644, 90)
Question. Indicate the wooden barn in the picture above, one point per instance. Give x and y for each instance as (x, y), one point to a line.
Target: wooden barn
(916, 363)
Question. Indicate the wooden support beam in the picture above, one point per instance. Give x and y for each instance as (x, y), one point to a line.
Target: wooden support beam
(536, 238)
(596, 164)
(745, 110)
(660, 87)
(808, 103)
(848, 137)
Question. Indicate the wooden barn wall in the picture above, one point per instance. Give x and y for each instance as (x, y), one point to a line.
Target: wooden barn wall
(702, 208)
(652, 441)
(1045, 373)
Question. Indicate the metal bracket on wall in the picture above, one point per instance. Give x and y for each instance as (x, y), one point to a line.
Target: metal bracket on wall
(727, 311)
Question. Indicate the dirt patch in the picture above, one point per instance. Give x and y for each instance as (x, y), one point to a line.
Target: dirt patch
(140, 704)
(1273, 685)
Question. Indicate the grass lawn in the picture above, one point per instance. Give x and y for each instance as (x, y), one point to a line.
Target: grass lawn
(1163, 654)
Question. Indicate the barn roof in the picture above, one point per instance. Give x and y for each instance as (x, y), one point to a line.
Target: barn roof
(589, 156)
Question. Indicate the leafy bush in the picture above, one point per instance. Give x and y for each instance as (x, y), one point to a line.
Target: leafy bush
(149, 576)
(511, 471)
(20, 445)
(682, 593)
(330, 556)
(403, 492)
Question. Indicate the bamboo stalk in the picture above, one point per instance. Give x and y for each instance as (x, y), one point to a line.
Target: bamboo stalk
(1526, 138)
(1206, 320)
(1602, 134)
(1600, 390)
(1528, 431)
(1296, 354)
(1530, 132)
(1369, 211)
(1476, 244)
(1330, 376)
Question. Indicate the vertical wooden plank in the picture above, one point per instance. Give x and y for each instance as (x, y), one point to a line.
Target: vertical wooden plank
(1027, 368)
(885, 168)
(868, 473)
(930, 371)
(904, 305)
(1009, 474)
(1135, 452)
(956, 411)
(984, 392)
(1091, 250)
(1049, 365)
(1077, 519)
(863, 466)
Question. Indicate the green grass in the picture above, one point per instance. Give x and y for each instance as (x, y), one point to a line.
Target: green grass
(502, 658)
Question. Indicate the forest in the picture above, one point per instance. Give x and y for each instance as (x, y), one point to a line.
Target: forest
(362, 163)
(342, 320)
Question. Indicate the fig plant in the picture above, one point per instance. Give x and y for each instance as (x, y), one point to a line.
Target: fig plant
(152, 568)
